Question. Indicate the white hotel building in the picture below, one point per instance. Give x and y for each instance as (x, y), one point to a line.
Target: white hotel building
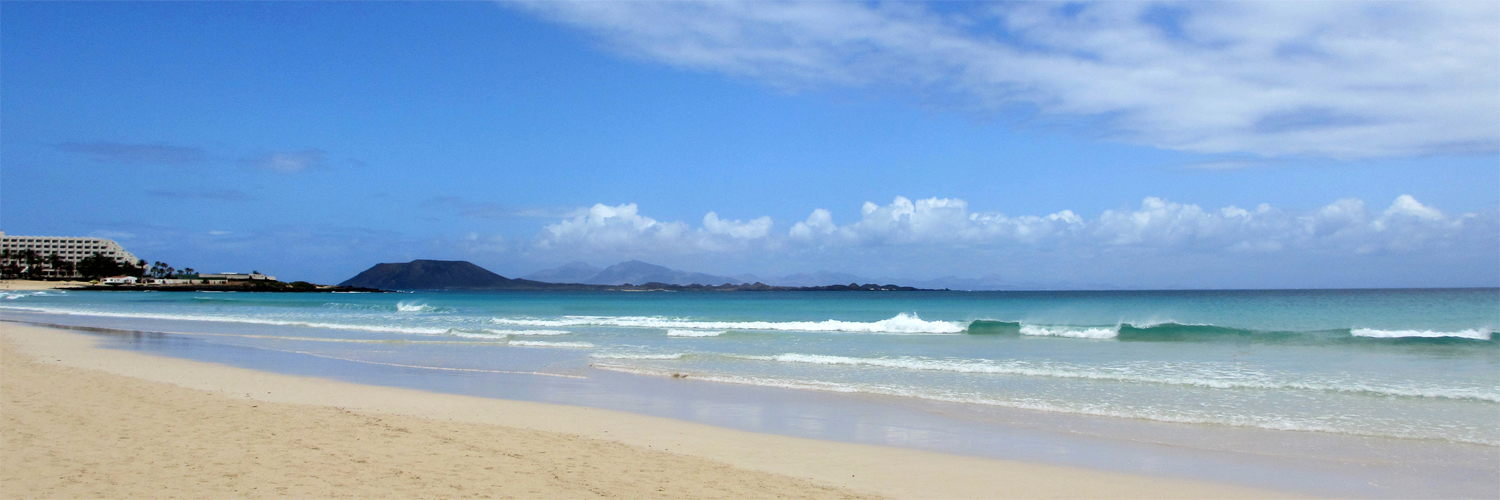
(69, 248)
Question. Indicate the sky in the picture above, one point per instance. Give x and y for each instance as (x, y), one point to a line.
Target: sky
(1113, 144)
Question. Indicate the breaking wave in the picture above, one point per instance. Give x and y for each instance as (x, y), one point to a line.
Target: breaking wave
(28, 293)
(1077, 332)
(255, 321)
(902, 323)
(1422, 334)
(1185, 332)
(1271, 422)
(538, 343)
(638, 356)
(416, 307)
(527, 332)
(1206, 376)
(694, 333)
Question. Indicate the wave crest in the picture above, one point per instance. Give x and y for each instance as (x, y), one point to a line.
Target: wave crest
(538, 343)
(415, 307)
(695, 333)
(1183, 377)
(902, 323)
(527, 332)
(1077, 332)
(638, 356)
(1475, 334)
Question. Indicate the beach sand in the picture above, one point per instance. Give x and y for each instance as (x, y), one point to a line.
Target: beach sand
(82, 421)
(38, 285)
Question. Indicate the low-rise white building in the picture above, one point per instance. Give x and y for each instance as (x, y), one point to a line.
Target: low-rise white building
(172, 281)
(119, 280)
(237, 277)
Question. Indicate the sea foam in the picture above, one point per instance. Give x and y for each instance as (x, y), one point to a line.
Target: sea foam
(1397, 334)
(414, 307)
(694, 333)
(1076, 332)
(902, 323)
(238, 319)
(1147, 413)
(538, 343)
(604, 355)
(527, 332)
(1209, 376)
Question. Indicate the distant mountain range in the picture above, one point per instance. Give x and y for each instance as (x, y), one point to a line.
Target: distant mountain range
(461, 275)
(632, 275)
(640, 272)
(633, 271)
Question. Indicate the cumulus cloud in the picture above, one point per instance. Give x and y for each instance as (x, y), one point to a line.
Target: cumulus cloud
(114, 152)
(287, 162)
(623, 230)
(1325, 79)
(1344, 226)
(756, 228)
(1157, 225)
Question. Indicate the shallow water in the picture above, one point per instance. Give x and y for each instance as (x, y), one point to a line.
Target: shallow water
(1381, 375)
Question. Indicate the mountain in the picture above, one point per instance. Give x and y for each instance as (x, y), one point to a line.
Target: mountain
(572, 272)
(461, 275)
(638, 272)
(820, 278)
(987, 282)
(431, 275)
(635, 272)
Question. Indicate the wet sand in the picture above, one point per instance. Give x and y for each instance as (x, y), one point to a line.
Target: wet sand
(81, 421)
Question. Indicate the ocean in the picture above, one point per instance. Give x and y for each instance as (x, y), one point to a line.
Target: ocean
(1417, 366)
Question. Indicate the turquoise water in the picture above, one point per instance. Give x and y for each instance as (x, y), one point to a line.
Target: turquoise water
(1405, 364)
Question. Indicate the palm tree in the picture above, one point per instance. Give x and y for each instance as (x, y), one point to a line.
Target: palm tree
(5, 264)
(32, 258)
(54, 263)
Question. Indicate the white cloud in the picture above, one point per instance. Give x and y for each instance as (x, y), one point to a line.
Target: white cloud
(1330, 79)
(756, 228)
(820, 222)
(622, 229)
(287, 162)
(1159, 226)
(1344, 226)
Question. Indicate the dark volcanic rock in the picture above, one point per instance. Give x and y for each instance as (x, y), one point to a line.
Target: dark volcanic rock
(429, 275)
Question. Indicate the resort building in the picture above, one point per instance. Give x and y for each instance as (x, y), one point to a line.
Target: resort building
(226, 277)
(71, 249)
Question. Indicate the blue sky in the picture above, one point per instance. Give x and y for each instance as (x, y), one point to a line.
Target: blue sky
(1134, 144)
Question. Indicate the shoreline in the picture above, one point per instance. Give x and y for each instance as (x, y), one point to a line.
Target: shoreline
(862, 469)
(39, 285)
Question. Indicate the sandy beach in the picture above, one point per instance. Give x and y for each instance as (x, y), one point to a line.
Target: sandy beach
(38, 285)
(82, 421)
